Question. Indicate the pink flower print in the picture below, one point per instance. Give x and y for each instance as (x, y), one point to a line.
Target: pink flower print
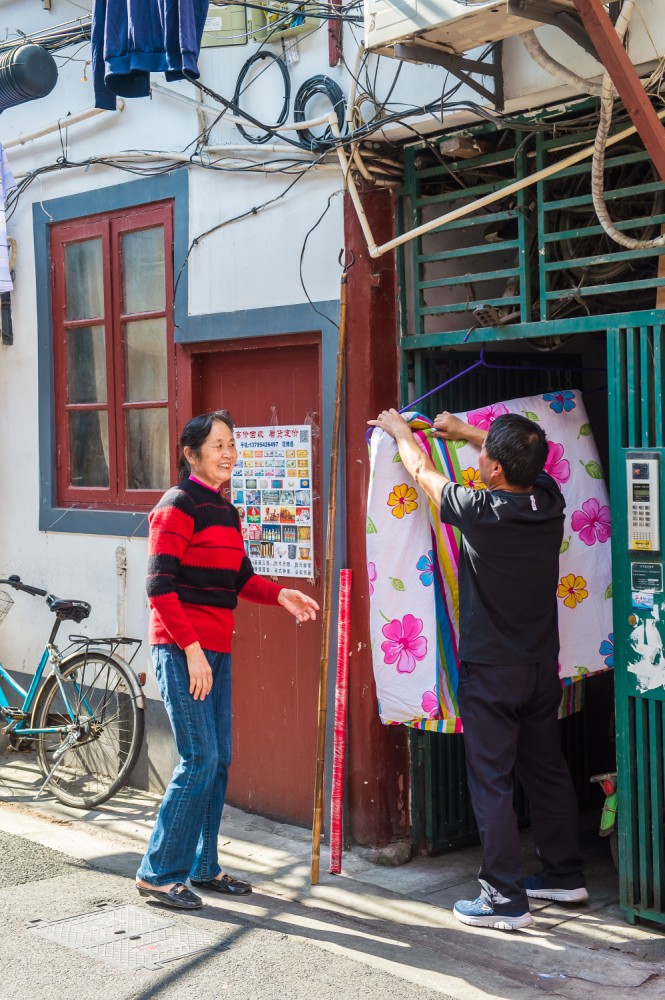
(592, 522)
(483, 418)
(405, 644)
(430, 704)
(556, 465)
(371, 576)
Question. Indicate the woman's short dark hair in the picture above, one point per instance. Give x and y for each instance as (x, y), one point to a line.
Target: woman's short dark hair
(519, 445)
(195, 432)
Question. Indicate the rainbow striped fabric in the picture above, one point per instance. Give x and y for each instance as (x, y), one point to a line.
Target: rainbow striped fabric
(412, 562)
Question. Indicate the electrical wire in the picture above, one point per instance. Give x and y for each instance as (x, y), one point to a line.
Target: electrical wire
(227, 222)
(302, 256)
(286, 79)
(309, 9)
(310, 88)
(231, 106)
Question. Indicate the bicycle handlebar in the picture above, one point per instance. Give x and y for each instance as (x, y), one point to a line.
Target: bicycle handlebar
(15, 582)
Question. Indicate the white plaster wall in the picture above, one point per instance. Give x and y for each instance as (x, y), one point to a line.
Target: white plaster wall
(255, 262)
(251, 264)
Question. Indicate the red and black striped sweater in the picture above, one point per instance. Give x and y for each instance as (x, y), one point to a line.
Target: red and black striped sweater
(197, 567)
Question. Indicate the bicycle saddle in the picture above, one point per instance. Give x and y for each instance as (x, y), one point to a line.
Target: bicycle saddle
(66, 610)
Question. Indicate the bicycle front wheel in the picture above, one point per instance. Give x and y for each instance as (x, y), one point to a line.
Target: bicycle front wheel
(100, 729)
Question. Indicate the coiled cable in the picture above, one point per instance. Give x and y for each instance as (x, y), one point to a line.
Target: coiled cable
(284, 113)
(319, 85)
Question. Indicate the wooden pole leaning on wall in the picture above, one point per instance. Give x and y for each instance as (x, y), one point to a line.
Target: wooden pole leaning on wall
(327, 589)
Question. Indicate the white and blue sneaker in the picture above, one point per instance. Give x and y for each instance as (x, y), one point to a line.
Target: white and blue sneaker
(480, 913)
(537, 888)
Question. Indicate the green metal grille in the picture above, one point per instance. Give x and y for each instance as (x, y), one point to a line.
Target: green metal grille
(442, 816)
(537, 255)
(636, 372)
(536, 266)
(476, 262)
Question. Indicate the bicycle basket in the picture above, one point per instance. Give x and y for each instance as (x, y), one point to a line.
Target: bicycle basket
(6, 601)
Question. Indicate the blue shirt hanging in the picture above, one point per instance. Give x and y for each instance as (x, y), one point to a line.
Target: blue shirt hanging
(133, 38)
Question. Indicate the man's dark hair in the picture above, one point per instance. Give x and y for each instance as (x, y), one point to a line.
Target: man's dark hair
(519, 445)
(195, 432)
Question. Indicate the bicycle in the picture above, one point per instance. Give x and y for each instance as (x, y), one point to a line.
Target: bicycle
(88, 715)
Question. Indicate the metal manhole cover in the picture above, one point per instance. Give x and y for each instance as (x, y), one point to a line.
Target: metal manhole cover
(128, 937)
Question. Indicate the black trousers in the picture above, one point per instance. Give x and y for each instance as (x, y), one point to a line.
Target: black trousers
(509, 714)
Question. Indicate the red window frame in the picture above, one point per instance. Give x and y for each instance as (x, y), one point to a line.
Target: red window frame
(110, 228)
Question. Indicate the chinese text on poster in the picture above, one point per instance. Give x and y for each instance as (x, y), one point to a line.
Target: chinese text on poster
(272, 489)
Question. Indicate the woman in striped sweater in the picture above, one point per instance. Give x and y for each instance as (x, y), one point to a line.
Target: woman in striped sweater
(197, 569)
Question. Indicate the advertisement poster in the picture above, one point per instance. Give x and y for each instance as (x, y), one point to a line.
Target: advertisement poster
(272, 489)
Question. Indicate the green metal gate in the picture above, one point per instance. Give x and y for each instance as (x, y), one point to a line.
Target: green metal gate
(538, 268)
(636, 374)
(442, 816)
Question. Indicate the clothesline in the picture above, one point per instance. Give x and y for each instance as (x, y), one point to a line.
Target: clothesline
(485, 364)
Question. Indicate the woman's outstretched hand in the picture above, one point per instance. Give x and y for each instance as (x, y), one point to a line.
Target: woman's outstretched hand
(298, 604)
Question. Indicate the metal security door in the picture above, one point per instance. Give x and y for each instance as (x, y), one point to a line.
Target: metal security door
(636, 381)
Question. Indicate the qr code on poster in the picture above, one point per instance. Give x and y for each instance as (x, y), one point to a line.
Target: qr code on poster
(304, 435)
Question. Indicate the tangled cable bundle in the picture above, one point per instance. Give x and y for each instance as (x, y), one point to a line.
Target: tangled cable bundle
(319, 85)
(284, 113)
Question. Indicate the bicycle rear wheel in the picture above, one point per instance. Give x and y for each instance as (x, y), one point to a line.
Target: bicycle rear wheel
(97, 749)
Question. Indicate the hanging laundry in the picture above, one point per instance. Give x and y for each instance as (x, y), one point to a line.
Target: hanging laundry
(7, 184)
(133, 38)
(413, 560)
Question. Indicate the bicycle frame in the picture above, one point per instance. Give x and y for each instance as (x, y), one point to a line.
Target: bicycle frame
(17, 719)
(50, 653)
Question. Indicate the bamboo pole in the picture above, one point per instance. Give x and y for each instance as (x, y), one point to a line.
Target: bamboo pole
(327, 590)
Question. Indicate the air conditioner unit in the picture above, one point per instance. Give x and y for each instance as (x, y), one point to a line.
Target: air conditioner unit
(456, 26)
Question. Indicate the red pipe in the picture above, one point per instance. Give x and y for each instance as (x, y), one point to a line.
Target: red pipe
(339, 729)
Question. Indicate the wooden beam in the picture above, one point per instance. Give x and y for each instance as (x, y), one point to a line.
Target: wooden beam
(624, 77)
(335, 34)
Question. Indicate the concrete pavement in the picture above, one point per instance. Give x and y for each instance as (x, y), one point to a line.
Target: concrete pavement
(374, 931)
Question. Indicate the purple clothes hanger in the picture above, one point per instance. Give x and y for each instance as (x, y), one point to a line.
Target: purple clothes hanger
(485, 364)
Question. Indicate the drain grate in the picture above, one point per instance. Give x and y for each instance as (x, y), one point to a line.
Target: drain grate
(128, 937)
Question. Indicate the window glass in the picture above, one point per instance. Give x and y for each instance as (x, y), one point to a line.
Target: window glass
(113, 357)
(84, 280)
(148, 460)
(143, 271)
(89, 448)
(145, 360)
(86, 364)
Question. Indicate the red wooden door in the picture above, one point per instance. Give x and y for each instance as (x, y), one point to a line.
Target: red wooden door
(275, 663)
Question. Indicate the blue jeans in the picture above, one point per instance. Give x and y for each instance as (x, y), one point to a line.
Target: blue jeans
(184, 839)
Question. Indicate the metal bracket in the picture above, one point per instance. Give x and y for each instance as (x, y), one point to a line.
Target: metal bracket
(459, 66)
(569, 23)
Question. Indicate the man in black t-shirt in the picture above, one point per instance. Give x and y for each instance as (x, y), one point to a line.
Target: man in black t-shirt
(509, 689)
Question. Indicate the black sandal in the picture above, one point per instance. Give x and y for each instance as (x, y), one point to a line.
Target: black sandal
(179, 897)
(226, 884)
